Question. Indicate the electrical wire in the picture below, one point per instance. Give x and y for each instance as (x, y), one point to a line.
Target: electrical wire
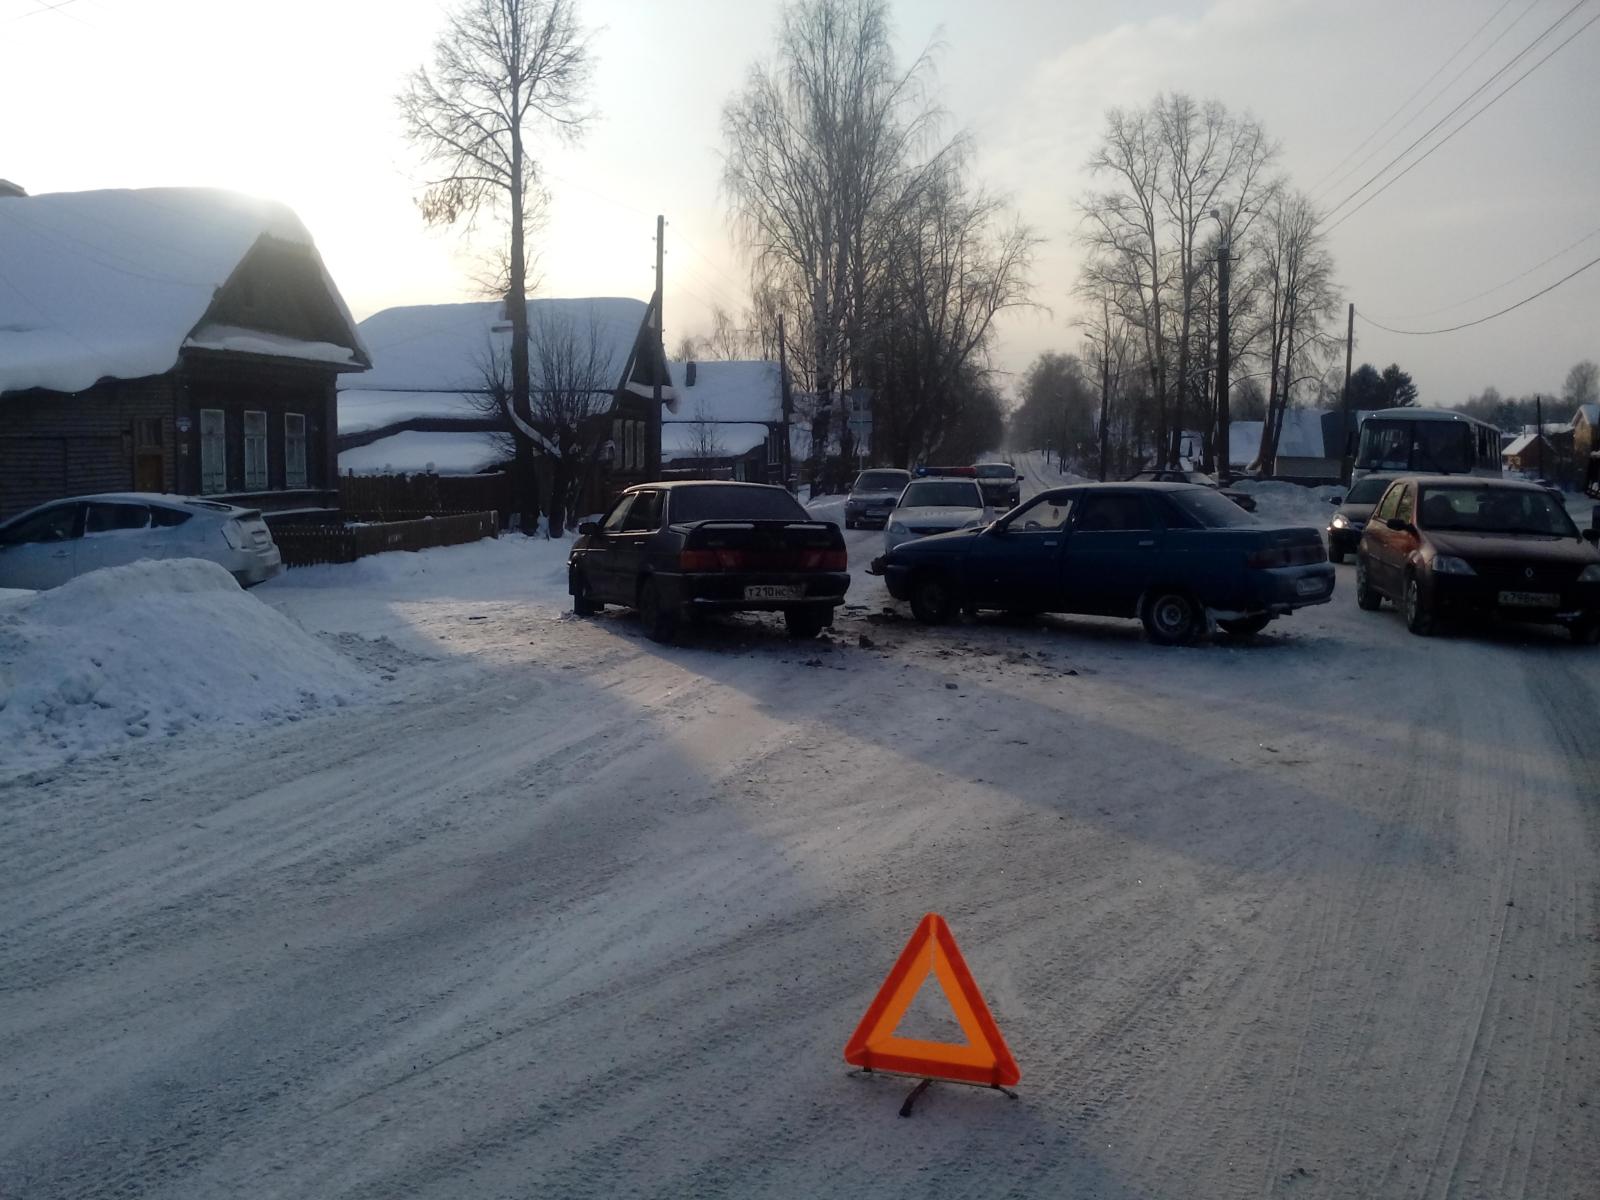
(1325, 180)
(1473, 117)
(1504, 283)
(1472, 95)
(1481, 320)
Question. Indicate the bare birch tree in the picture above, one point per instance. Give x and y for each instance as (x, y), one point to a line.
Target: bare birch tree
(501, 68)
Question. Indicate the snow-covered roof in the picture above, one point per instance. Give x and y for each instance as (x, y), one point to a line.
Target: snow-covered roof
(1589, 412)
(750, 390)
(1518, 444)
(688, 439)
(112, 284)
(362, 411)
(1301, 437)
(444, 347)
(407, 452)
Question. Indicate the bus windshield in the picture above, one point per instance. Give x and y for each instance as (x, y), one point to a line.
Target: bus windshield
(1437, 447)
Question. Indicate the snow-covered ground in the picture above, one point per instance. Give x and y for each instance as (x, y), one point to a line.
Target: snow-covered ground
(561, 912)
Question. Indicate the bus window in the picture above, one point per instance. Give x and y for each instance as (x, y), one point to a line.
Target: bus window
(1441, 446)
(1385, 446)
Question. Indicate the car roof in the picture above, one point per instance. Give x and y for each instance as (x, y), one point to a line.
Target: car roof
(160, 499)
(674, 484)
(1488, 481)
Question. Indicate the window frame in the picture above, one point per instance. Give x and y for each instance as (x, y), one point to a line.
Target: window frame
(214, 477)
(651, 499)
(89, 515)
(1089, 501)
(293, 477)
(265, 474)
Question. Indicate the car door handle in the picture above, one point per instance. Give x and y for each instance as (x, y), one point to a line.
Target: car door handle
(1150, 542)
(1051, 542)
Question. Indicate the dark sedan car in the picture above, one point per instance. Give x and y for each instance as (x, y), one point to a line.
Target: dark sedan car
(1355, 510)
(673, 550)
(1243, 499)
(1002, 486)
(1451, 544)
(1170, 554)
(872, 497)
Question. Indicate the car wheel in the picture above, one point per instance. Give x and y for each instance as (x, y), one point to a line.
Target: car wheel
(1419, 618)
(1245, 626)
(1172, 618)
(1335, 556)
(804, 624)
(1586, 632)
(1367, 596)
(583, 602)
(659, 619)
(932, 601)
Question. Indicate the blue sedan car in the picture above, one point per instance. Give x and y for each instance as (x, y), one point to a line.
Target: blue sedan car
(1173, 555)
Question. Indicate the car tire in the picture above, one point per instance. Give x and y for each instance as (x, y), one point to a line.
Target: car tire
(803, 624)
(932, 600)
(1368, 597)
(1420, 619)
(660, 619)
(583, 602)
(1245, 626)
(1171, 617)
(1585, 632)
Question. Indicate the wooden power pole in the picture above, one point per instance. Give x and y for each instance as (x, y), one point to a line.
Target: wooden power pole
(653, 455)
(788, 407)
(1346, 462)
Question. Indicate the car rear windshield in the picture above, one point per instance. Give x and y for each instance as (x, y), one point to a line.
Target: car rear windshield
(1467, 509)
(1211, 510)
(995, 471)
(954, 494)
(1366, 491)
(880, 481)
(735, 503)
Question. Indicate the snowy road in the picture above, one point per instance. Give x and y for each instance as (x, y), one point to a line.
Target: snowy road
(578, 915)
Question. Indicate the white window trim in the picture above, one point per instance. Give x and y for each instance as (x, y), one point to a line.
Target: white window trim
(291, 477)
(266, 471)
(221, 473)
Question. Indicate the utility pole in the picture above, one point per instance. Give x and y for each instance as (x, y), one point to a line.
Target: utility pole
(1105, 385)
(1346, 463)
(788, 406)
(1538, 437)
(1223, 454)
(653, 454)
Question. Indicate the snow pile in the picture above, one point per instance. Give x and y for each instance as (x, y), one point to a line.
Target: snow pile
(149, 650)
(1279, 503)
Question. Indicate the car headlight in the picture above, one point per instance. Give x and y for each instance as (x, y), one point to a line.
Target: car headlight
(1449, 564)
(896, 527)
(1590, 574)
(1339, 522)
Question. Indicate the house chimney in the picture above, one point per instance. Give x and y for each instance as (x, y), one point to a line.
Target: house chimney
(7, 188)
(688, 375)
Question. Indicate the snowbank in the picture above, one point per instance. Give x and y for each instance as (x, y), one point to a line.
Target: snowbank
(1289, 503)
(150, 650)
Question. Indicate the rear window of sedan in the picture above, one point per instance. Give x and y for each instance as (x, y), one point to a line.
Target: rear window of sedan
(1207, 509)
(995, 471)
(734, 503)
(880, 481)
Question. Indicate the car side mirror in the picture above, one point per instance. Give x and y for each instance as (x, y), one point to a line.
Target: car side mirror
(589, 529)
(1335, 499)
(1398, 525)
(1592, 536)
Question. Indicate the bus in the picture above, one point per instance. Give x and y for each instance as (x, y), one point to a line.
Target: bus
(1428, 441)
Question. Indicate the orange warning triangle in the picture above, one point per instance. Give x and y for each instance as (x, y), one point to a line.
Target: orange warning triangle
(984, 1059)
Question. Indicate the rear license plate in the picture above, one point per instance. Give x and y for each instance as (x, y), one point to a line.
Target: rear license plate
(1310, 587)
(775, 591)
(1530, 600)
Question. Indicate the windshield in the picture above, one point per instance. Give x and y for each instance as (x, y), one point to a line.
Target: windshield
(1366, 491)
(1493, 510)
(880, 481)
(735, 503)
(1211, 510)
(952, 494)
(995, 471)
(1442, 446)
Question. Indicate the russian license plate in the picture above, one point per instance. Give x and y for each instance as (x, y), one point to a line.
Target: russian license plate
(1530, 599)
(1310, 587)
(775, 591)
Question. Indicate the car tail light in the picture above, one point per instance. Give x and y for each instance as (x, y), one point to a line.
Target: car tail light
(234, 533)
(1286, 556)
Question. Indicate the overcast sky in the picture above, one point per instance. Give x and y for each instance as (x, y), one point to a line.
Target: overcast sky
(294, 100)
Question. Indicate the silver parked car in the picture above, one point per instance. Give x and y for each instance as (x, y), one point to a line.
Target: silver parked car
(46, 546)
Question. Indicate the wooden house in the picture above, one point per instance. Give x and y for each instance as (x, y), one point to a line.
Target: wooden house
(729, 422)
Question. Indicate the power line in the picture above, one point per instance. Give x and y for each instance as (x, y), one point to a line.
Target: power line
(1472, 95)
(1473, 117)
(1505, 282)
(1318, 186)
(1469, 324)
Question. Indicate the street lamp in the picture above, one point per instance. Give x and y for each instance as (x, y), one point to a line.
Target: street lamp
(1222, 348)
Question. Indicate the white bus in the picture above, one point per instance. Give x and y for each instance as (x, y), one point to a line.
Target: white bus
(1427, 441)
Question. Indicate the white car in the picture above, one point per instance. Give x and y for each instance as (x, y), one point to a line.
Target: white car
(46, 546)
(935, 505)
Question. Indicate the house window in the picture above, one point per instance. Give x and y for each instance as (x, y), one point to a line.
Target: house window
(213, 451)
(633, 445)
(294, 450)
(773, 458)
(255, 451)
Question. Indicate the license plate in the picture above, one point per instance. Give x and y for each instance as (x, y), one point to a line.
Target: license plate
(775, 591)
(1530, 599)
(1310, 587)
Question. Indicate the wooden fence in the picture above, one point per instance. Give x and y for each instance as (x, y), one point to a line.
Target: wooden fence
(307, 545)
(390, 496)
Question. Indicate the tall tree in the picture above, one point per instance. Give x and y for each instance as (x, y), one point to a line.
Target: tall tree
(1398, 389)
(501, 69)
(1583, 384)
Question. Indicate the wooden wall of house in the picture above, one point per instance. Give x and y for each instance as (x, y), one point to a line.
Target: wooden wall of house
(54, 444)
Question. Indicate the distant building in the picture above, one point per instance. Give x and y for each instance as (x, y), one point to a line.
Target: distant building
(168, 340)
(729, 422)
